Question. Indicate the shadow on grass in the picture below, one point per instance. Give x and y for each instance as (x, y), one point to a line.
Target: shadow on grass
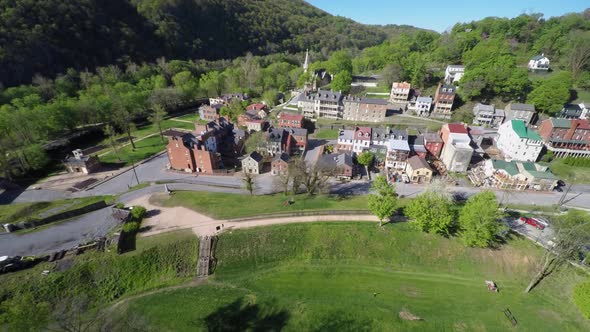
(341, 321)
(242, 316)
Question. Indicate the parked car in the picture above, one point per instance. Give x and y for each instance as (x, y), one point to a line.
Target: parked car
(535, 222)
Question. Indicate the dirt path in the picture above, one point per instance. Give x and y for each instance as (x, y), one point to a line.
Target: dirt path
(164, 219)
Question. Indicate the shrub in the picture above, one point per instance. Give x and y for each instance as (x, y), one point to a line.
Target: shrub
(582, 298)
(131, 227)
(137, 213)
(120, 205)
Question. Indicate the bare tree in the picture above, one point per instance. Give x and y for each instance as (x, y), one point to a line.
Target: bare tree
(579, 51)
(157, 117)
(313, 178)
(572, 231)
(76, 314)
(249, 183)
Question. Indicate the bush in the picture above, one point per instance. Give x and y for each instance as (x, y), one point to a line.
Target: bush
(131, 227)
(120, 206)
(582, 298)
(137, 213)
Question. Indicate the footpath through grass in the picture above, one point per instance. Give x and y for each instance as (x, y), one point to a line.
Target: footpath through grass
(358, 277)
(227, 206)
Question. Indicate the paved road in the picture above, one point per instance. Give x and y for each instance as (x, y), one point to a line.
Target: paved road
(57, 237)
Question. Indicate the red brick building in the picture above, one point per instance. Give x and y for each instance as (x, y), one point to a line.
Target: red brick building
(433, 144)
(189, 153)
(290, 120)
(280, 165)
(567, 137)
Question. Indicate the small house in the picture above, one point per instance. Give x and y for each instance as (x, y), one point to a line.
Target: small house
(252, 164)
(418, 170)
(79, 163)
(280, 164)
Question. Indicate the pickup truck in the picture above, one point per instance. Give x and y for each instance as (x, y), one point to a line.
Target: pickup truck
(535, 222)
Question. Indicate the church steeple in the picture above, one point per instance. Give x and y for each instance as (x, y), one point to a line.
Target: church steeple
(306, 63)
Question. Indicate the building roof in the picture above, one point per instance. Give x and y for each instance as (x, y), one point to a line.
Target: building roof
(363, 133)
(432, 137)
(424, 100)
(447, 89)
(521, 107)
(295, 131)
(538, 57)
(508, 166)
(532, 169)
(335, 160)
(484, 108)
(399, 144)
(401, 85)
(571, 110)
(256, 156)
(560, 123)
(346, 134)
(523, 132)
(283, 156)
(363, 100)
(172, 132)
(290, 116)
(417, 162)
(457, 128)
(256, 107)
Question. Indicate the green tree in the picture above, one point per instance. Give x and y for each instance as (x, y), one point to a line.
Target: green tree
(479, 220)
(157, 116)
(432, 212)
(24, 312)
(213, 83)
(383, 202)
(366, 159)
(187, 84)
(35, 156)
(339, 61)
(249, 184)
(551, 94)
(342, 81)
(233, 110)
(270, 97)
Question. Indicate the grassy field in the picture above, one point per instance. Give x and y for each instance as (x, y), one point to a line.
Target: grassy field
(224, 206)
(17, 212)
(357, 277)
(570, 173)
(189, 117)
(327, 134)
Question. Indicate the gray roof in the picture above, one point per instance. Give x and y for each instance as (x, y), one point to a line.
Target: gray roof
(324, 95)
(380, 134)
(424, 100)
(432, 137)
(346, 134)
(483, 107)
(276, 134)
(375, 101)
(399, 144)
(521, 107)
(417, 162)
(399, 134)
(538, 57)
(295, 131)
(571, 111)
(456, 66)
(335, 160)
(448, 87)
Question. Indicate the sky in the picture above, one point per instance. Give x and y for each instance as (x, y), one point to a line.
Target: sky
(439, 15)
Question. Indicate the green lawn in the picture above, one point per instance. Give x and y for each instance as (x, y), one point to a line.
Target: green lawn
(583, 96)
(17, 212)
(226, 206)
(358, 277)
(327, 134)
(570, 173)
(189, 117)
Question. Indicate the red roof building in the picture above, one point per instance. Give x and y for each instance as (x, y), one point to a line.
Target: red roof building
(290, 120)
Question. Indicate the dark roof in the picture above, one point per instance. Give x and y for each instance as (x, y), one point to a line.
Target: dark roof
(283, 156)
(255, 155)
(362, 100)
(174, 133)
(521, 107)
(335, 160)
(571, 111)
(447, 89)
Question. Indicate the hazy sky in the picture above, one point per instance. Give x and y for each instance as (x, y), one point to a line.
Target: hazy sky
(439, 15)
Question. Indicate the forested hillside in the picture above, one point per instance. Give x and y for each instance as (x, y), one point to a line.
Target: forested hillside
(49, 36)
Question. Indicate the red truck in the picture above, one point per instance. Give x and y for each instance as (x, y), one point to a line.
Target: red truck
(535, 222)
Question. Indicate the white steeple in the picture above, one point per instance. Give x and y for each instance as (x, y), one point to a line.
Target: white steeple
(306, 63)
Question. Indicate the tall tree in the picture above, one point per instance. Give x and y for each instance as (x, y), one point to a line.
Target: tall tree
(213, 83)
(366, 159)
(479, 220)
(383, 201)
(339, 61)
(342, 81)
(432, 211)
(157, 116)
(550, 94)
(571, 233)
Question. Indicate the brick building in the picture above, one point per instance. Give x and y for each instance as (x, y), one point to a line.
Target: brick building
(566, 137)
(364, 109)
(290, 120)
(443, 101)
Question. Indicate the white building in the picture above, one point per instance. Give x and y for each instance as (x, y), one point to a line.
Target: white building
(488, 115)
(457, 152)
(324, 104)
(518, 142)
(357, 140)
(454, 73)
(539, 62)
(422, 106)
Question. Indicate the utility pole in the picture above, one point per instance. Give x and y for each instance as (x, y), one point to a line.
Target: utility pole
(134, 172)
(562, 199)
